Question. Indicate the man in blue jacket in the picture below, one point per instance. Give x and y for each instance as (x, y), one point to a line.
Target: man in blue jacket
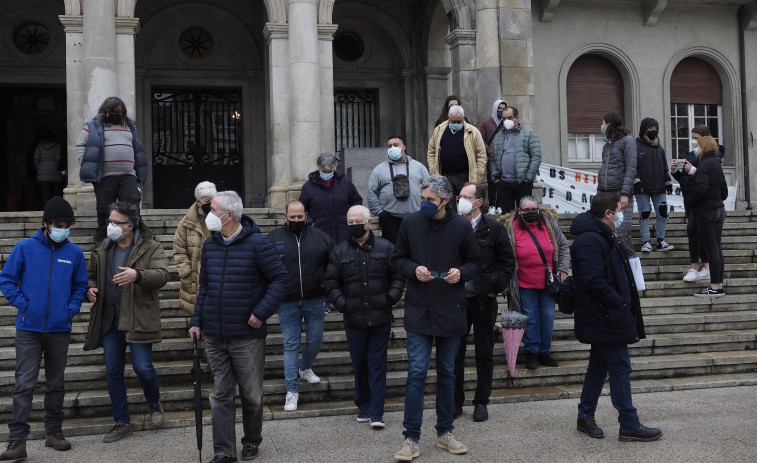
(242, 283)
(436, 253)
(45, 278)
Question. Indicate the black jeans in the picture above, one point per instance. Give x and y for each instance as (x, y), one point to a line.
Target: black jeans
(30, 347)
(110, 189)
(390, 226)
(481, 314)
(696, 251)
(509, 194)
(710, 226)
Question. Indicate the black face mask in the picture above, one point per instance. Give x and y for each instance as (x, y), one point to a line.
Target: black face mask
(652, 134)
(114, 119)
(296, 227)
(357, 230)
(205, 208)
(531, 217)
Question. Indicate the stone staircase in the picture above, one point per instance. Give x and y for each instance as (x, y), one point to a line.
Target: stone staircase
(691, 343)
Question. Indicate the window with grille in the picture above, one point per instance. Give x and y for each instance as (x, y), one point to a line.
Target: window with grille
(355, 119)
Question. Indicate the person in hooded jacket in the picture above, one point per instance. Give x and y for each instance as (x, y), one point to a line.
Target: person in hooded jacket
(652, 183)
(188, 239)
(618, 172)
(126, 270)
(363, 286)
(46, 160)
(489, 128)
(436, 253)
(607, 316)
(327, 195)
(44, 278)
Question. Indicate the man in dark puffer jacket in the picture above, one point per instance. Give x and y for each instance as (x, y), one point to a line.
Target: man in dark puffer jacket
(242, 283)
(607, 316)
(362, 285)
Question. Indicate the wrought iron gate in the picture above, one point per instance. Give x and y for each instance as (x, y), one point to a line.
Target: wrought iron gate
(355, 119)
(196, 136)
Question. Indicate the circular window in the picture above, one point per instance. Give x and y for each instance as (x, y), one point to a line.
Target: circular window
(31, 38)
(348, 46)
(196, 43)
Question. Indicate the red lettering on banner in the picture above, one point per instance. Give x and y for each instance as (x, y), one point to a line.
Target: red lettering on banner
(578, 177)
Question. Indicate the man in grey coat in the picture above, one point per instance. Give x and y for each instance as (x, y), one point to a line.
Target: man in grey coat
(515, 160)
(394, 188)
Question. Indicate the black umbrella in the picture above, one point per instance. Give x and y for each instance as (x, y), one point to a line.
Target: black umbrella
(197, 381)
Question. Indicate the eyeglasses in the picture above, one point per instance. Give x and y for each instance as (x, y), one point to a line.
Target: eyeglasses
(439, 275)
(530, 209)
(469, 198)
(116, 223)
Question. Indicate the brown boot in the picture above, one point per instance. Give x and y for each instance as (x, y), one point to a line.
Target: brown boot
(16, 451)
(57, 441)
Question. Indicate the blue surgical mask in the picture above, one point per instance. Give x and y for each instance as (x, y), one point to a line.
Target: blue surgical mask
(619, 221)
(394, 153)
(602, 129)
(59, 234)
(499, 114)
(429, 209)
(696, 151)
(328, 176)
(456, 126)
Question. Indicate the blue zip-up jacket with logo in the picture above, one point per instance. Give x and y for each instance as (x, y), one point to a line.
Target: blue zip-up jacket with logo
(47, 285)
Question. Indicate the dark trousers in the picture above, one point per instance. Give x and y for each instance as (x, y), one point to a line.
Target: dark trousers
(49, 189)
(509, 194)
(368, 353)
(710, 227)
(481, 314)
(390, 226)
(110, 189)
(30, 347)
(457, 180)
(696, 250)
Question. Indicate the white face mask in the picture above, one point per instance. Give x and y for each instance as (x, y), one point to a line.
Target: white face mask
(464, 206)
(213, 222)
(115, 232)
(509, 124)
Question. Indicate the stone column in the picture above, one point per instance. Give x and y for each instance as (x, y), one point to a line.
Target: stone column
(304, 88)
(488, 85)
(126, 31)
(411, 122)
(280, 168)
(437, 81)
(75, 101)
(462, 45)
(516, 57)
(326, 53)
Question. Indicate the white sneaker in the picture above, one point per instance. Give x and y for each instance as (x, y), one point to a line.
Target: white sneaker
(703, 274)
(664, 246)
(691, 275)
(309, 376)
(498, 211)
(647, 247)
(290, 404)
(492, 210)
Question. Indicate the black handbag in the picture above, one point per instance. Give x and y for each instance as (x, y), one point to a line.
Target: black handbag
(400, 182)
(551, 281)
(566, 296)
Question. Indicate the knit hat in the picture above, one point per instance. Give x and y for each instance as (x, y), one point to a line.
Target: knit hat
(646, 123)
(57, 207)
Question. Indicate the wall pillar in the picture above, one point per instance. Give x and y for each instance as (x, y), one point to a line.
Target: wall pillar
(488, 84)
(326, 53)
(73, 28)
(280, 172)
(516, 57)
(462, 45)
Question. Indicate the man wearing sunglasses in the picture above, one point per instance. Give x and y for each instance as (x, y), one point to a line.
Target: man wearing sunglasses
(431, 243)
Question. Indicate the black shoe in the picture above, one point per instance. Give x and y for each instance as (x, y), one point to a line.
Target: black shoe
(249, 451)
(643, 434)
(531, 361)
(222, 459)
(457, 412)
(548, 361)
(589, 426)
(480, 413)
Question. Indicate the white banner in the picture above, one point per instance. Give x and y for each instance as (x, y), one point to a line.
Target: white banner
(570, 190)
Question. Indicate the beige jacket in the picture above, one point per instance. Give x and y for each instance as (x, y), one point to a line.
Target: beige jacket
(187, 251)
(474, 148)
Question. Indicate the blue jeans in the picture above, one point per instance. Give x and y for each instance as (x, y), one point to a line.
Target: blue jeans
(615, 360)
(418, 355)
(540, 308)
(31, 346)
(114, 346)
(291, 315)
(661, 214)
(368, 353)
(236, 362)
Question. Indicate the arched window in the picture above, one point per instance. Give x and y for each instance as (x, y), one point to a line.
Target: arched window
(594, 88)
(696, 98)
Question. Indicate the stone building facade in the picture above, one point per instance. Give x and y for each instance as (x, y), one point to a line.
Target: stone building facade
(248, 93)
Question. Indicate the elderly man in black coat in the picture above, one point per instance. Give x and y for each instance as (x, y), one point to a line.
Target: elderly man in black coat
(607, 316)
(437, 253)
